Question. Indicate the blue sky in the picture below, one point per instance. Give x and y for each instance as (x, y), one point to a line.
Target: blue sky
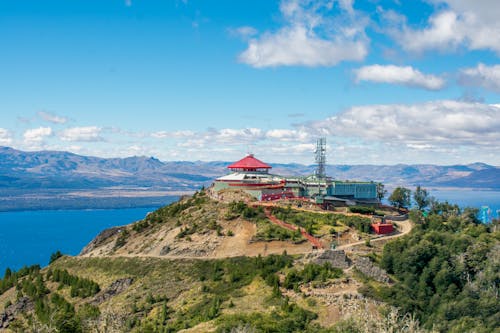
(385, 81)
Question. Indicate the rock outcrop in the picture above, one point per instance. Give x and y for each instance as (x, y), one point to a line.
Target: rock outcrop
(337, 258)
(100, 239)
(24, 304)
(365, 266)
(114, 289)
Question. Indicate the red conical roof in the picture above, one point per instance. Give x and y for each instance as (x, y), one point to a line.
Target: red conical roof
(249, 163)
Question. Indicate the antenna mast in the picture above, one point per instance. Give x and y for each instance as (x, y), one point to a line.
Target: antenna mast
(320, 157)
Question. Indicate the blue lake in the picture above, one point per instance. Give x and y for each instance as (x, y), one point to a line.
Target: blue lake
(30, 237)
(471, 198)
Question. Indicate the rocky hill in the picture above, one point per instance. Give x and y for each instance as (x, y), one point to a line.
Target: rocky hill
(204, 265)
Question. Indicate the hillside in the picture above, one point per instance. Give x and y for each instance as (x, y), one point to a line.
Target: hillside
(193, 266)
(31, 180)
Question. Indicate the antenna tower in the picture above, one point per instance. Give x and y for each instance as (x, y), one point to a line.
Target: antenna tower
(320, 158)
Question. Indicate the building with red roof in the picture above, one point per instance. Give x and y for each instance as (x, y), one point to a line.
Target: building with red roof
(249, 163)
(252, 176)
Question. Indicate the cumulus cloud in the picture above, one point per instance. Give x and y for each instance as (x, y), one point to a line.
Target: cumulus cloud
(5, 137)
(315, 33)
(232, 136)
(433, 123)
(472, 24)
(287, 135)
(484, 76)
(51, 117)
(87, 134)
(401, 75)
(174, 134)
(36, 135)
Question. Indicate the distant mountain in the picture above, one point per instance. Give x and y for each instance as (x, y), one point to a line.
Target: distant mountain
(62, 171)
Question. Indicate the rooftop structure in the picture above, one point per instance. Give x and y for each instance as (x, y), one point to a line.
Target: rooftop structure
(249, 163)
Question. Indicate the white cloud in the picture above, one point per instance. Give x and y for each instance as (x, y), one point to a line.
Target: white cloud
(232, 136)
(87, 134)
(483, 76)
(174, 134)
(407, 76)
(438, 123)
(5, 137)
(311, 36)
(287, 135)
(472, 24)
(52, 118)
(36, 135)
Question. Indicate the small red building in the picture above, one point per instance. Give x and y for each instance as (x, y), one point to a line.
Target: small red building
(383, 228)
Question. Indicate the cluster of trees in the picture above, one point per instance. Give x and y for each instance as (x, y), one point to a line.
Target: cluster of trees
(52, 311)
(446, 271)
(11, 277)
(401, 198)
(80, 287)
(241, 209)
(311, 272)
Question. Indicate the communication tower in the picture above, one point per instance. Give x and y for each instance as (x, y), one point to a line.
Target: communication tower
(320, 158)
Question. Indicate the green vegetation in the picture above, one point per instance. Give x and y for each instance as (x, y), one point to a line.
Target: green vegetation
(311, 272)
(122, 239)
(421, 198)
(241, 209)
(267, 231)
(447, 271)
(172, 212)
(79, 287)
(288, 318)
(11, 278)
(314, 221)
(362, 210)
(207, 288)
(400, 197)
(50, 308)
(381, 191)
(54, 256)
(361, 224)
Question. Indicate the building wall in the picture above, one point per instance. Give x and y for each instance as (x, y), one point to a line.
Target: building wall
(355, 190)
(341, 189)
(365, 191)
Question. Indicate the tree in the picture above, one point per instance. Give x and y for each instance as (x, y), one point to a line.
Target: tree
(381, 191)
(421, 197)
(400, 197)
(54, 256)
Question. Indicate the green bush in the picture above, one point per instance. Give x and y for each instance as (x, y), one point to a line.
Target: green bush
(311, 272)
(362, 210)
(80, 287)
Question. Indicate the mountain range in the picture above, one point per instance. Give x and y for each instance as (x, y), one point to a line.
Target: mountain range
(31, 174)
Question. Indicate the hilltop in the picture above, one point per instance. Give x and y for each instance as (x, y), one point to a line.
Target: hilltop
(206, 265)
(80, 181)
